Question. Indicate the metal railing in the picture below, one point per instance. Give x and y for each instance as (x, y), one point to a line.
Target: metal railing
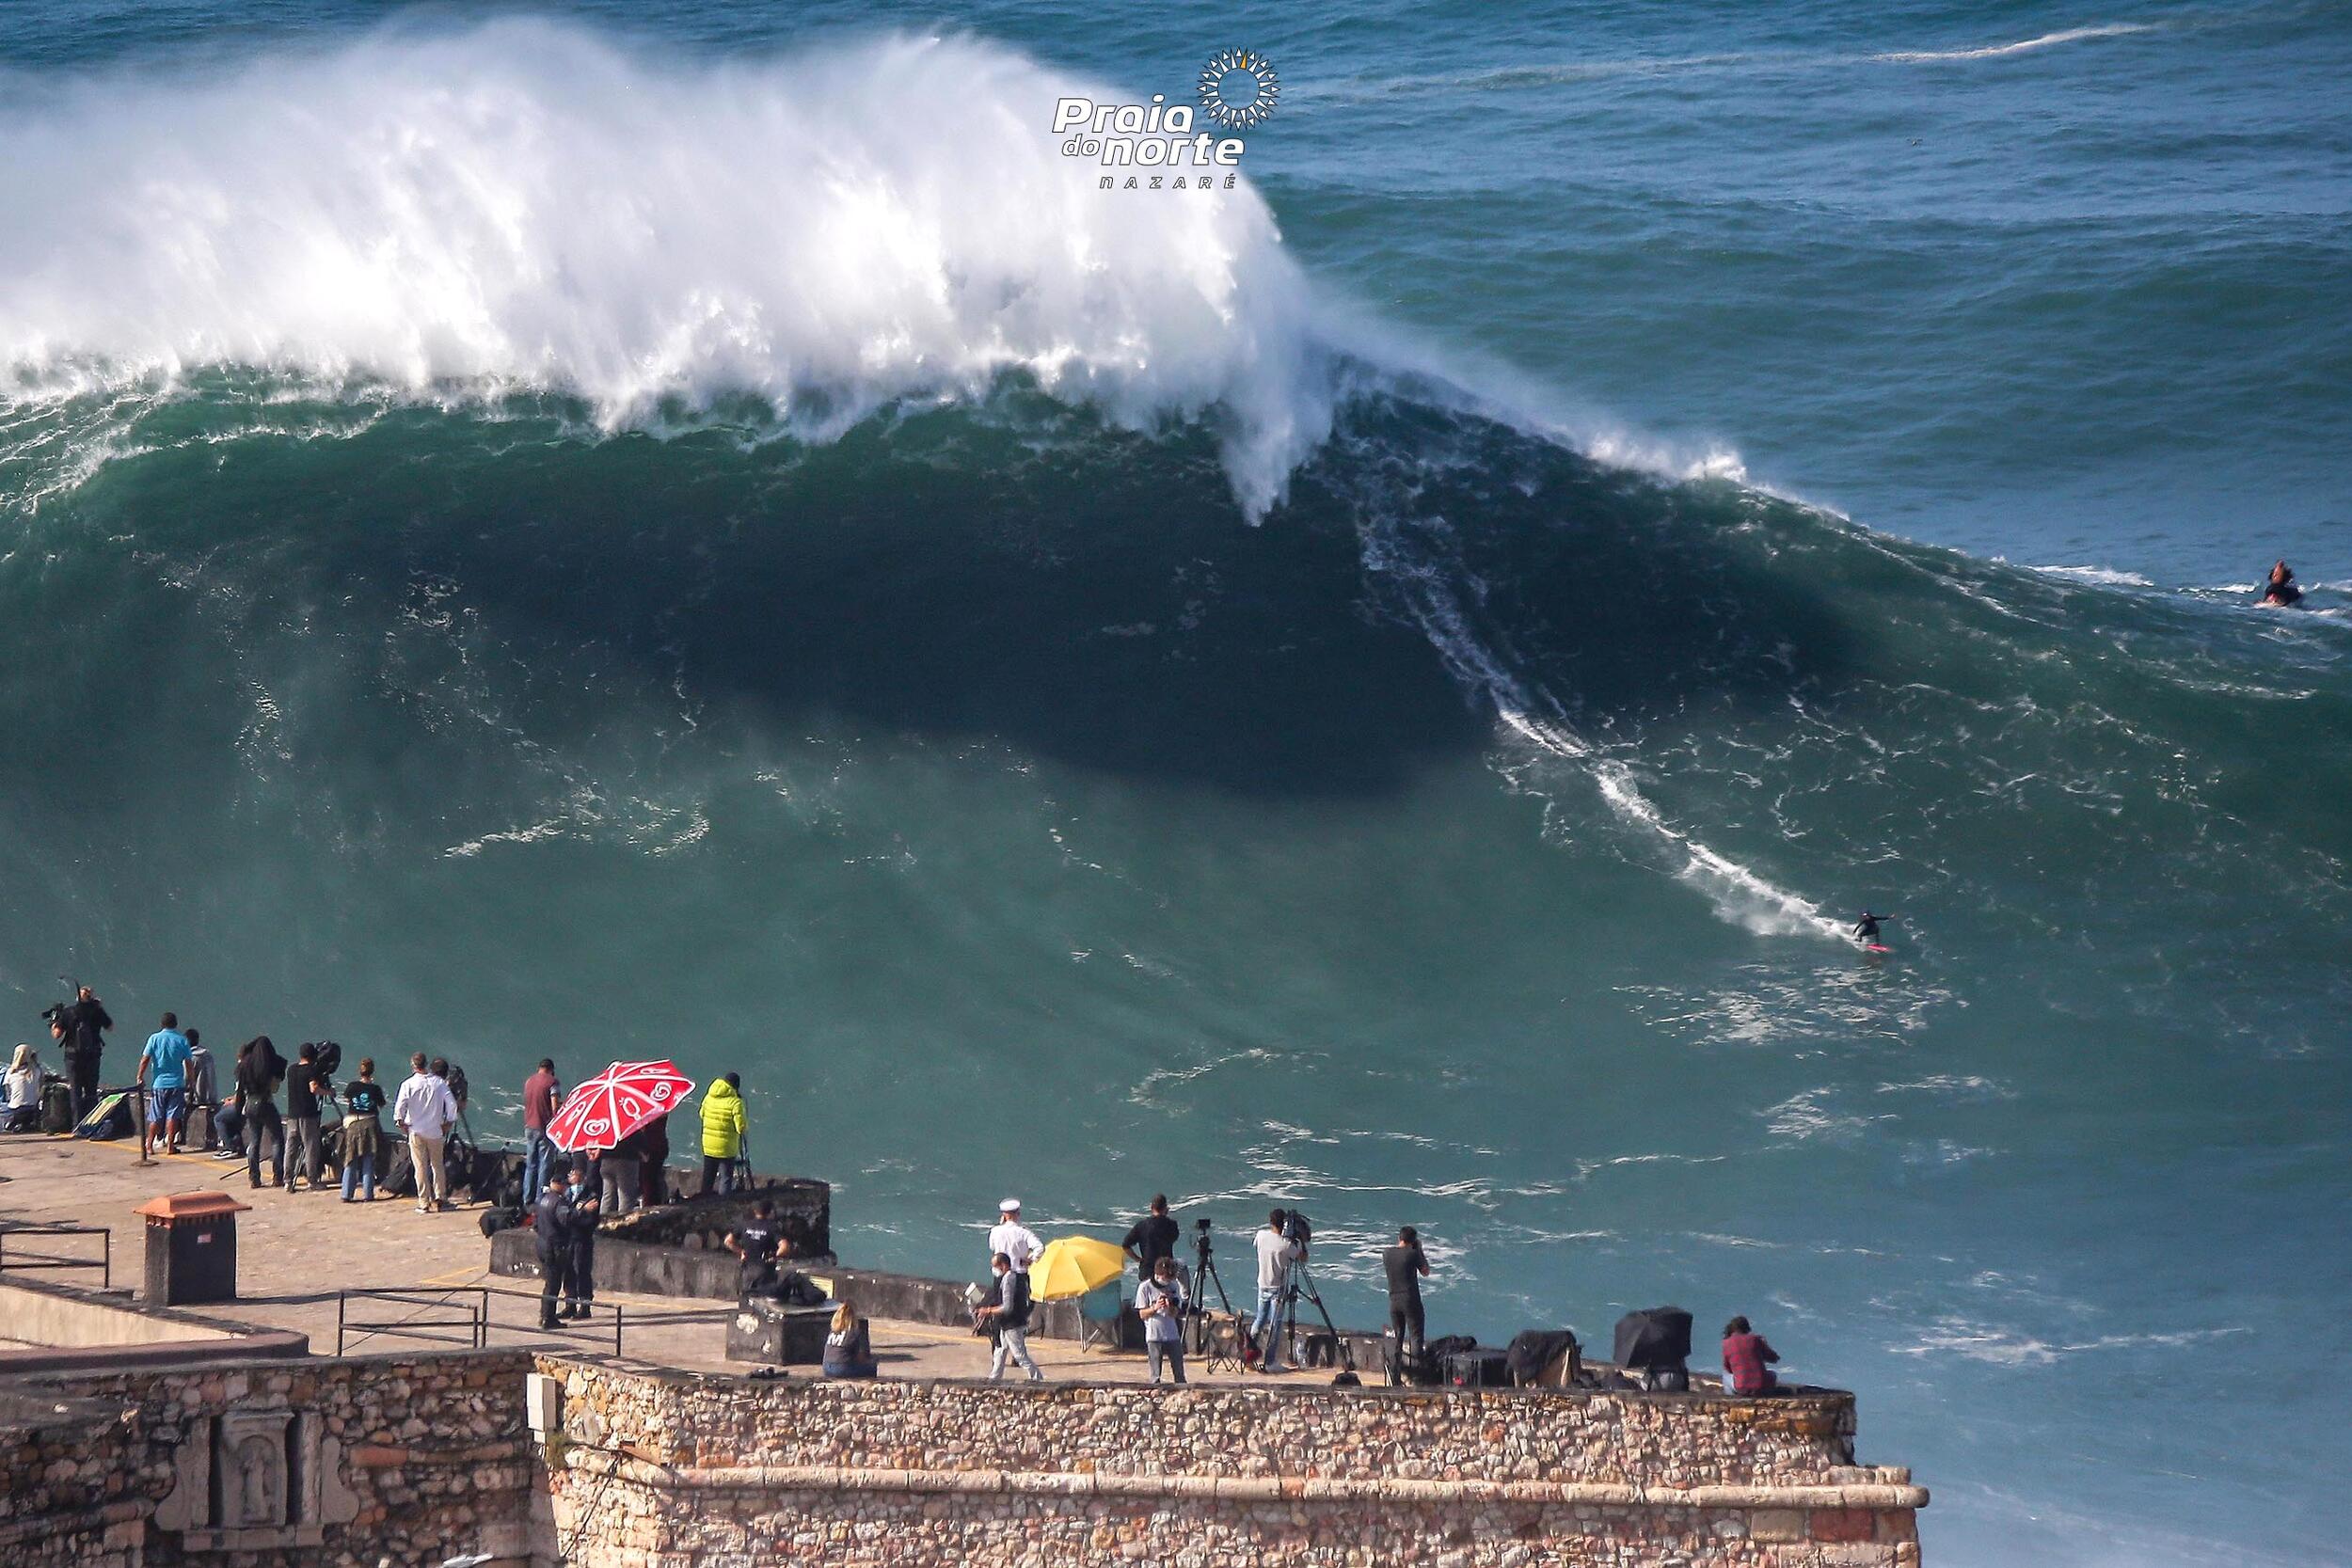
(468, 1321)
(22, 1261)
(472, 1316)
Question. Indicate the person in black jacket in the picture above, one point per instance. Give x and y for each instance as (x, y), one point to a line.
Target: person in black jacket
(554, 1219)
(580, 1242)
(550, 1219)
(1006, 1321)
(80, 1030)
(259, 1069)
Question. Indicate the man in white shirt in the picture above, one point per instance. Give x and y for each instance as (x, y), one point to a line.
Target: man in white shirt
(1016, 1241)
(425, 1108)
(1276, 1254)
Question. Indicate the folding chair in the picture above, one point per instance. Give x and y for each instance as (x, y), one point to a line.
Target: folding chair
(1098, 1316)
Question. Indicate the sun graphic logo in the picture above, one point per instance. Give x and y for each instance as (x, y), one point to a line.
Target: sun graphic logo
(1238, 88)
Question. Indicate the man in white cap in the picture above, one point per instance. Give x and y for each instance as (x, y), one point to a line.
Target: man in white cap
(1016, 1241)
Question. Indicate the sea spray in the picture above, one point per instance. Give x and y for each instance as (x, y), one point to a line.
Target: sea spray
(524, 205)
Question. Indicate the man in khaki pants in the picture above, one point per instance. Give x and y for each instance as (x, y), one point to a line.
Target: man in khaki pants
(424, 1110)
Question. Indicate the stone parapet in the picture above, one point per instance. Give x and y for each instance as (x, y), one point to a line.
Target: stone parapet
(653, 1471)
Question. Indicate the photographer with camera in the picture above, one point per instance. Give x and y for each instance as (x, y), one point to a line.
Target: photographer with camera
(1407, 1266)
(79, 1026)
(1278, 1249)
(1161, 1302)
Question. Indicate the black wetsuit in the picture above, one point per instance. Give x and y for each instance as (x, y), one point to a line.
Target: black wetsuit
(1867, 930)
(2281, 591)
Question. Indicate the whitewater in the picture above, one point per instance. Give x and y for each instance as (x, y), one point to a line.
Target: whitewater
(1379, 687)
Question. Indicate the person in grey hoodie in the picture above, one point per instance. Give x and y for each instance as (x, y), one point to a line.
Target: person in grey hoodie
(203, 1088)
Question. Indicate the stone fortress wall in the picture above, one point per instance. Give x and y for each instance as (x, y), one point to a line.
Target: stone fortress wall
(415, 1459)
(655, 1472)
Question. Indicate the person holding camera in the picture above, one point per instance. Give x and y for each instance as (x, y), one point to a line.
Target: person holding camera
(1160, 1302)
(1407, 1266)
(1006, 1321)
(1277, 1252)
(79, 1028)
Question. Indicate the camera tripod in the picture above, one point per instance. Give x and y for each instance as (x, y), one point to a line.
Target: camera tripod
(1286, 1329)
(1203, 1276)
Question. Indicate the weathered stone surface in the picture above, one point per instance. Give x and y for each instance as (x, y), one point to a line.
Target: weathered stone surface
(433, 1456)
(656, 1472)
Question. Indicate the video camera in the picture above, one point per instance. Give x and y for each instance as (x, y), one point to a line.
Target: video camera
(1296, 1230)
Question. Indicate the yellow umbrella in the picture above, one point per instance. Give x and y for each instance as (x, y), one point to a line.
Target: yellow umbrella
(1073, 1265)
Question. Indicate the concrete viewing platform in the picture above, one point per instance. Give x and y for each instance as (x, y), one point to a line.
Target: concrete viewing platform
(296, 1250)
(140, 1435)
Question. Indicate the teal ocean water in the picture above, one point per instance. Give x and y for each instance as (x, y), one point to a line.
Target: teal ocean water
(694, 529)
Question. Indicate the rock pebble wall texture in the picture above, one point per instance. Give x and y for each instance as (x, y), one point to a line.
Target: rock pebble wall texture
(429, 1454)
(651, 1472)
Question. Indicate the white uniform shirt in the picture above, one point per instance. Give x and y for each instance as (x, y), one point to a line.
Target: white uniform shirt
(1017, 1241)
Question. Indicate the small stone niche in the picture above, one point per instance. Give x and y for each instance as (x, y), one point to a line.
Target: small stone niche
(256, 1480)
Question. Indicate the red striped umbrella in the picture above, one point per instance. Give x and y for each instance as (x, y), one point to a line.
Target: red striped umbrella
(617, 1102)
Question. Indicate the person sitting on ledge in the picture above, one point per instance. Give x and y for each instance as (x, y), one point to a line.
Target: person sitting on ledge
(1746, 1356)
(23, 1096)
(847, 1352)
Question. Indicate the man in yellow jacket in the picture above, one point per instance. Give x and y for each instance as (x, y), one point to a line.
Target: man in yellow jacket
(723, 1127)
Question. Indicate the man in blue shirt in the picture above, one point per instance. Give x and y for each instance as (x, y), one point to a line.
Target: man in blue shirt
(164, 1074)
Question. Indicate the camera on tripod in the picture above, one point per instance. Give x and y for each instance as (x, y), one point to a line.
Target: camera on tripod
(1296, 1230)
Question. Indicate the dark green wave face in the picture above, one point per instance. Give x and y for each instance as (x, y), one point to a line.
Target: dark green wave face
(1465, 846)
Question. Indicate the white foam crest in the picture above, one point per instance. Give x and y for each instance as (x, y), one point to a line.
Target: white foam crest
(522, 206)
(2023, 46)
(2104, 576)
(1738, 894)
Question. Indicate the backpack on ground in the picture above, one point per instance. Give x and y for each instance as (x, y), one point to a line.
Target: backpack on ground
(110, 1118)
